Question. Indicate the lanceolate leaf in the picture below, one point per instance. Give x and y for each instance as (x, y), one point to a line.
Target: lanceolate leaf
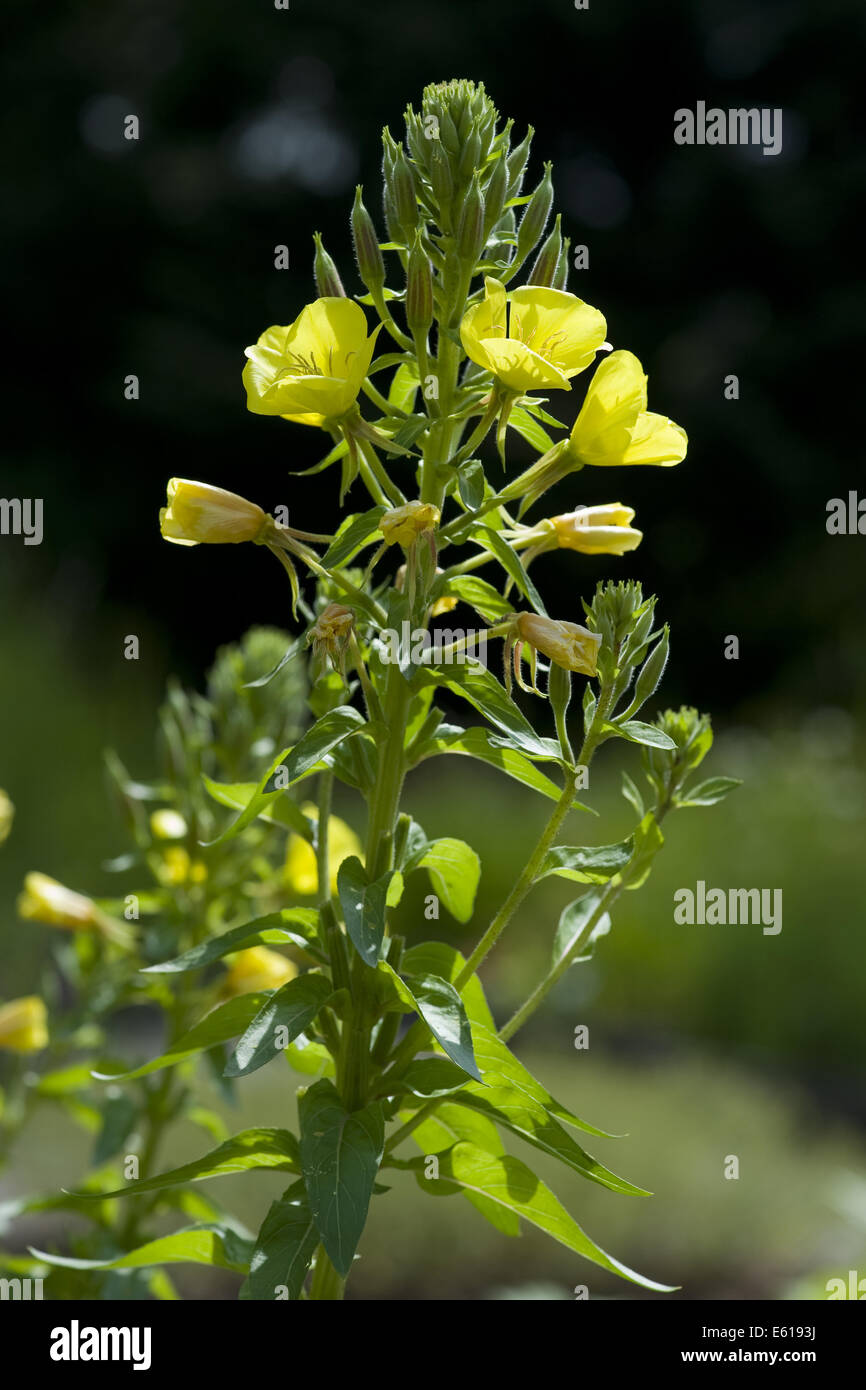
(287, 1013)
(340, 1153)
(454, 870)
(220, 1025)
(453, 1123)
(442, 1010)
(364, 905)
(207, 1243)
(499, 1066)
(481, 744)
(273, 930)
(510, 1183)
(481, 688)
(574, 921)
(709, 792)
(251, 1148)
(438, 958)
(638, 732)
(279, 811)
(353, 535)
(284, 1249)
(511, 563)
(588, 864)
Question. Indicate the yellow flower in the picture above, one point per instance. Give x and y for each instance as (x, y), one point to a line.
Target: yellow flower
(614, 425)
(300, 871)
(601, 530)
(445, 604)
(173, 866)
(168, 825)
(198, 514)
(46, 900)
(567, 644)
(257, 968)
(23, 1024)
(7, 815)
(403, 525)
(532, 338)
(312, 371)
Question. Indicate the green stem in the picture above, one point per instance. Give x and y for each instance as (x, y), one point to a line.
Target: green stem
(326, 1284)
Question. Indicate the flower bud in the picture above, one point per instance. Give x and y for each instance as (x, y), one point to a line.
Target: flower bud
(46, 900)
(402, 187)
(403, 525)
(536, 213)
(23, 1024)
(560, 279)
(198, 514)
(419, 292)
(257, 968)
(325, 273)
(495, 194)
(573, 647)
(371, 266)
(442, 184)
(517, 162)
(601, 530)
(7, 815)
(470, 228)
(543, 271)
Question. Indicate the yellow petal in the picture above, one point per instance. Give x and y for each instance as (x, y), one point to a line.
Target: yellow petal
(656, 439)
(614, 400)
(521, 369)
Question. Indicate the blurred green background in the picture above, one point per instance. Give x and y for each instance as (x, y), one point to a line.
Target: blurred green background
(156, 258)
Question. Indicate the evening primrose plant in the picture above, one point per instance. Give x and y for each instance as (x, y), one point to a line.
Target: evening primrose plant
(465, 336)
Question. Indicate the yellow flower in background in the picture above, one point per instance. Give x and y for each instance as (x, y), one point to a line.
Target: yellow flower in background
(532, 338)
(23, 1024)
(43, 899)
(403, 525)
(7, 815)
(300, 871)
(173, 866)
(257, 968)
(600, 530)
(311, 371)
(199, 514)
(614, 425)
(567, 644)
(168, 825)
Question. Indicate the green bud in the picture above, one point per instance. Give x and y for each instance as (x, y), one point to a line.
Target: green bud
(517, 162)
(535, 215)
(442, 184)
(543, 271)
(325, 273)
(470, 228)
(560, 279)
(419, 292)
(692, 733)
(470, 157)
(495, 195)
(650, 673)
(371, 266)
(402, 189)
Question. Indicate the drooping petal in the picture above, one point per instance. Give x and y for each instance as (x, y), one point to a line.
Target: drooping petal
(617, 395)
(521, 369)
(656, 439)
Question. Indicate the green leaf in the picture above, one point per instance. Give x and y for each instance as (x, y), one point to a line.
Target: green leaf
(484, 692)
(207, 1243)
(224, 1022)
(586, 864)
(573, 922)
(404, 386)
(648, 840)
(529, 1120)
(454, 870)
(285, 812)
(511, 563)
(288, 655)
(364, 906)
(432, 1076)
(637, 732)
(439, 958)
(500, 1067)
(250, 1149)
(530, 429)
(631, 794)
(707, 793)
(443, 1011)
(291, 1008)
(299, 761)
(284, 1249)
(510, 1183)
(272, 930)
(309, 1058)
(479, 743)
(454, 1122)
(470, 484)
(479, 595)
(119, 1114)
(340, 1155)
(355, 533)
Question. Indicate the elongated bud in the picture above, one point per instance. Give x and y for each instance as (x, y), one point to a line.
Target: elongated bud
(495, 195)
(534, 219)
(371, 266)
(544, 270)
(403, 195)
(325, 273)
(560, 279)
(442, 184)
(470, 229)
(199, 514)
(651, 672)
(469, 157)
(517, 162)
(419, 292)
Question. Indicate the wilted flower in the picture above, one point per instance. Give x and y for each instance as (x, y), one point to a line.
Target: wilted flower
(257, 968)
(301, 871)
(329, 636)
(532, 338)
(311, 371)
(199, 514)
(569, 645)
(23, 1024)
(403, 525)
(614, 425)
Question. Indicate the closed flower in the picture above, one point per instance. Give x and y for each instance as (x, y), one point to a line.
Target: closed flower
(23, 1025)
(199, 514)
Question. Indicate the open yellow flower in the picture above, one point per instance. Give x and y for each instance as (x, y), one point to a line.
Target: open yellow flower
(614, 425)
(257, 968)
(403, 525)
(23, 1024)
(532, 338)
(300, 871)
(311, 371)
(199, 514)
